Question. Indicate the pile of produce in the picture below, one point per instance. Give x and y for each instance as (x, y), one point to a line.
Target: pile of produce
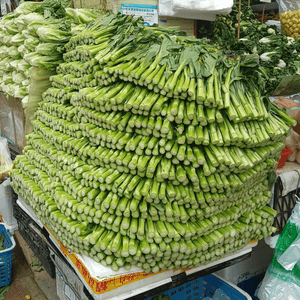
(34, 35)
(290, 22)
(151, 149)
(278, 54)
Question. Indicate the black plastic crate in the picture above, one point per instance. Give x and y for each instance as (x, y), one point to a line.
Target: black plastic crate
(31, 233)
(14, 151)
(284, 205)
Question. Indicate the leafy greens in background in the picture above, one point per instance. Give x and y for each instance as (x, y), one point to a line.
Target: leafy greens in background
(279, 55)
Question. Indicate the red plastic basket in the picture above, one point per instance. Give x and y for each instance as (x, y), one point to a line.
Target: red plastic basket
(284, 156)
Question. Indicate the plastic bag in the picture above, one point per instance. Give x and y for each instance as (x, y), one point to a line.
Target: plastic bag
(282, 280)
(289, 17)
(6, 164)
(7, 124)
(288, 5)
(165, 9)
(39, 83)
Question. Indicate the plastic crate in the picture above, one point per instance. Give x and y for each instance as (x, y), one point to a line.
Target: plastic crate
(32, 234)
(6, 257)
(284, 205)
(205, 286)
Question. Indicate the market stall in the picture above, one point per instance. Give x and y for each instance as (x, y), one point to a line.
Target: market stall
(149, 154)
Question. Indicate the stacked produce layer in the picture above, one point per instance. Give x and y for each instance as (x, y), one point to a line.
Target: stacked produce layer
(34, 35)
(151, 149)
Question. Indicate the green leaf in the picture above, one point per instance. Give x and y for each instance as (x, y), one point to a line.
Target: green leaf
(271, 177)
(158, 206)
(3, 291)
(36, 263)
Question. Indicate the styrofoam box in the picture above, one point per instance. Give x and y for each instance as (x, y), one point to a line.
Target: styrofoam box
(6, 203)
(257, 264)
(72, 278)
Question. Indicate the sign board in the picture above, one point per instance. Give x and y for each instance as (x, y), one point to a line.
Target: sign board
(148, 12)
(266, 1)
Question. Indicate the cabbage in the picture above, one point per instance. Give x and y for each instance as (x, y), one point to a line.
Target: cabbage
(26, 34)
(281, 64)
(25, 102)
(17, 40)
(6, 40)
(264, 40)
(82, 15)
(20, 92)
(26, 82)
(77, 29)
(14, 64)
(49, 35)
(70, 13)
(2, 35)
(31, 43)
(20, 23)
(49, 49)
(64, 25)
(27, 8)
(11, 27)
(18, 78)
(7, 78)
(23, 65)
(3, 51)
(34, 26)
(23, 50)
(4, 61)
(39, 61)
(266, 56)
(14, 52)
(28, 72)
(32, 17)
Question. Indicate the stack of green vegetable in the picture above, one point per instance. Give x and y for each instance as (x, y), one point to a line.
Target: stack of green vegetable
(34, 36)
(151, 149)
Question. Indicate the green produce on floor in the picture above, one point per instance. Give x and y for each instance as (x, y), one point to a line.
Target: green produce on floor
(2, 241)
(151, 149)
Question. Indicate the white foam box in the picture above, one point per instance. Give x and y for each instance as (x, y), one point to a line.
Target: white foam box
(72, 278)
(257, 264)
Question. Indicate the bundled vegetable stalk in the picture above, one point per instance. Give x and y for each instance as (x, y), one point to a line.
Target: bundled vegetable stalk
(151, 149)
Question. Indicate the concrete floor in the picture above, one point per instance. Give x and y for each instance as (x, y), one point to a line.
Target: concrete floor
(27, 279)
